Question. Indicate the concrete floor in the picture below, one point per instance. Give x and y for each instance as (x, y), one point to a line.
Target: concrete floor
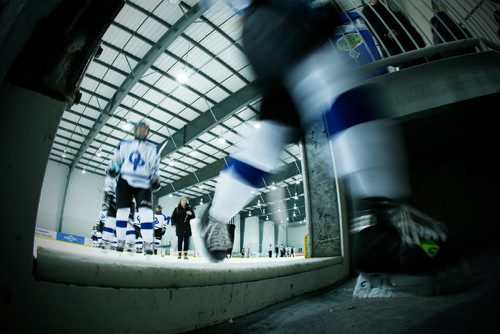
(472, 310)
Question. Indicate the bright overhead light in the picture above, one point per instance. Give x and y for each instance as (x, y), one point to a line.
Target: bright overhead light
(221, 140)
(128, 126)
(182, 76)
(84, 171)
(193, 153)
(256, 125)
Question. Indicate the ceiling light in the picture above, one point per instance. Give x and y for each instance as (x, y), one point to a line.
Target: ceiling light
(256, 125)
(183, 76)
(171, 162)
(170, 195)
(128, 126)
(221, 140)
(84, 171)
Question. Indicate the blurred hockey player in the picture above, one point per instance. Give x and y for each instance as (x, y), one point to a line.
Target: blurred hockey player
(137, 228)
(130, 236)
(136, 162)
(161, 222)
(100, 223)
(109, 203)
(93, 236)
(303, 82)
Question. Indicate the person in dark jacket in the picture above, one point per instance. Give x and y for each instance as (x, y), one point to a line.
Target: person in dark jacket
(393, 30)
(181, 220)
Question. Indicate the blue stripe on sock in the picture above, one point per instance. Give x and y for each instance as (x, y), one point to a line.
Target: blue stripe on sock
(108, 229)
(251, 175)
(146, 226)
(130, 233)
(359, 105)
(121, 223)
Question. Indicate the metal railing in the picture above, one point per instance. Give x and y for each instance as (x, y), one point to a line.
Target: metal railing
(396, 33)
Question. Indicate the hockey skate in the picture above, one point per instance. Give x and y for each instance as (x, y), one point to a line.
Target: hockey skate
(148, 248)
(120, 246)
(215, 237)
(401, 251)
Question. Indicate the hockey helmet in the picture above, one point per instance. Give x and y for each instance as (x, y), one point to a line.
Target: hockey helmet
(141, 130)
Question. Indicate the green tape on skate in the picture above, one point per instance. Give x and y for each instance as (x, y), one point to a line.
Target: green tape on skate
(429, 247)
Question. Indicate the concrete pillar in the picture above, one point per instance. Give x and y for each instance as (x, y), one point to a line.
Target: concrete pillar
(323, 208)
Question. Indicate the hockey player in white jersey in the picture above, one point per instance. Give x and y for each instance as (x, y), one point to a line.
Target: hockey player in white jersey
(108, 230)
(161, 221)
(131, 234)
(100, 224)
(137, 228)
(136, 162)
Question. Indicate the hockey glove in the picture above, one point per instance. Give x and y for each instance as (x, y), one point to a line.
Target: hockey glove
(113, 170)
(155, 184)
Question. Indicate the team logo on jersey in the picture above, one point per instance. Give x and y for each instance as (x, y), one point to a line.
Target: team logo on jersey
(136, 159)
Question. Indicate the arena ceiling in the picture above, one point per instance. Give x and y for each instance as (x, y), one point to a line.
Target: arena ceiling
(180, 67)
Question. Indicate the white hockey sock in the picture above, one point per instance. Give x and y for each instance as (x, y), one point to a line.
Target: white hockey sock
(147, 225)
(108, 231)
(371, 157)
(122, 222)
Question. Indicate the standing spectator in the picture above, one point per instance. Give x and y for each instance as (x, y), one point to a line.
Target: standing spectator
(445, 29)
(276, 250)
(292, 252)
(270, 251)
(136, 162)
(393, 30)
(282, 251)
(181, 220)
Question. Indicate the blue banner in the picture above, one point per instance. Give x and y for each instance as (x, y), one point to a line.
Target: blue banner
(70, 238)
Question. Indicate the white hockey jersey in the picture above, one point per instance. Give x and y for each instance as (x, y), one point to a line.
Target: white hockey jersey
(139, 162)
(110, 185)
(102, 216)
(161, 221)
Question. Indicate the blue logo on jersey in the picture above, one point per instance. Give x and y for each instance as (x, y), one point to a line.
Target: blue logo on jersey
(136, 159)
